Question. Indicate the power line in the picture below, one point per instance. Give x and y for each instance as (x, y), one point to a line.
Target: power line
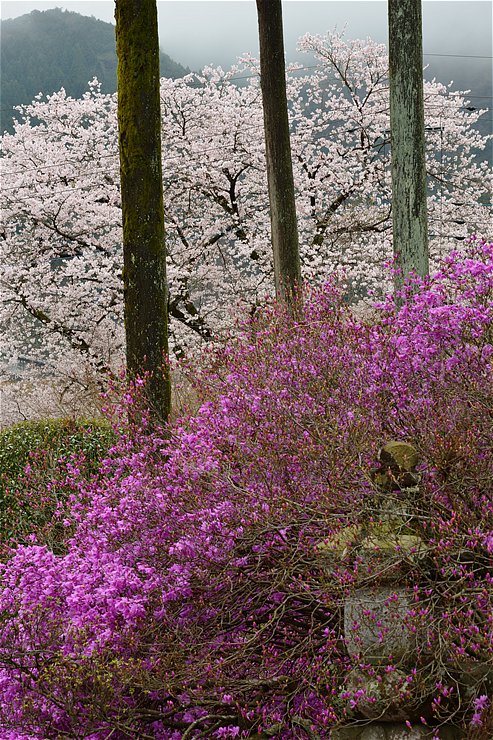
(303, 68)
(95, 186)
(442, 116)
(453, 94)
(51, 166)
(456, 94)
(457, 56)
(33, 102)
(177, 157)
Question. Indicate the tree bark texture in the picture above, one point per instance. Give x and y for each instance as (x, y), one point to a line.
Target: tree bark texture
(284, 227)
(144, 252)
(409, 210)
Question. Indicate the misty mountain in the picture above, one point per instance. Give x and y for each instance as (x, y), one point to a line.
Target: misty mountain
(46, 50)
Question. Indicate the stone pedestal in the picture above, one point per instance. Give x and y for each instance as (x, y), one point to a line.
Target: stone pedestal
(380, 616)
(394, 731)
(380, 628)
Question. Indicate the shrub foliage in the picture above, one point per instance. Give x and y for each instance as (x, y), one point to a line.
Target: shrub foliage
(35, 454)
(196, 596)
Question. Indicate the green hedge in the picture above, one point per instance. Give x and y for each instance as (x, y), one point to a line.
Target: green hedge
(43, 445)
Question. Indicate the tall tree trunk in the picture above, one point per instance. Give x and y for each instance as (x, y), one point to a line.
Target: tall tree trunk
(409, 211)
(284, 226)
(144, 252)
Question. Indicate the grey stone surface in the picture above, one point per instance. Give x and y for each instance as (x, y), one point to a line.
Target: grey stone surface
(381, 616)
(394, 731)
(384, 697)
(374, 733)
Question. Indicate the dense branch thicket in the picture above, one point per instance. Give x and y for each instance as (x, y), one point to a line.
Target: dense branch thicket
(195, 595)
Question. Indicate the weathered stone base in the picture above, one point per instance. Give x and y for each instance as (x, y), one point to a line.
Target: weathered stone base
(394, 731)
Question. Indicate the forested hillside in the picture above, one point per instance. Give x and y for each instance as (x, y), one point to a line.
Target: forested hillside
(44, 51)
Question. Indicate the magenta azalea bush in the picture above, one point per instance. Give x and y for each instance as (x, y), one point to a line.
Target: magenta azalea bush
(194, 596)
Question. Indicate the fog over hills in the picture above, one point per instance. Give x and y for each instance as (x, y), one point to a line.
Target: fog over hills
(44, 51)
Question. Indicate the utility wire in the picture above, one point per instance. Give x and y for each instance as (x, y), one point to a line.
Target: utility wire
(114, 172)
(303, 68)
(452, 94)
(196, 155)
(94, 186)
(457, 56)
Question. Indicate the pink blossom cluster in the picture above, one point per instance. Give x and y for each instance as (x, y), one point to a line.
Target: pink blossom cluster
(190, 598)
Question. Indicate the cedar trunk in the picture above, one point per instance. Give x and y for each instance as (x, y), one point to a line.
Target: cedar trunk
(284, 228)
(409, 211)
(144, 252)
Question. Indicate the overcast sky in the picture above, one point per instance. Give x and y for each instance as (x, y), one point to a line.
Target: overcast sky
(199, 32)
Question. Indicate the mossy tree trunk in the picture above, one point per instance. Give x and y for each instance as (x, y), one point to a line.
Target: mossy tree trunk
(284, 227)
(409, 211)
(144, 252)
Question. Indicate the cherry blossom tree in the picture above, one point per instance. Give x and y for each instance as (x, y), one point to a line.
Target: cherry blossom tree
(60, 277)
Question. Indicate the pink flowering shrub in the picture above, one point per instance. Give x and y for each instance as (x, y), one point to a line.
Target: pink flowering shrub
(40, 464)
(192, 599)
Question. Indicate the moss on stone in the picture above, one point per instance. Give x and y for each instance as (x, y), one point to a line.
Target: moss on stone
(400, 455)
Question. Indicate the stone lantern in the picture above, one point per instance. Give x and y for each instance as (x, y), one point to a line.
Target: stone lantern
(384, 548)
(375, 615)
(375, 625)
